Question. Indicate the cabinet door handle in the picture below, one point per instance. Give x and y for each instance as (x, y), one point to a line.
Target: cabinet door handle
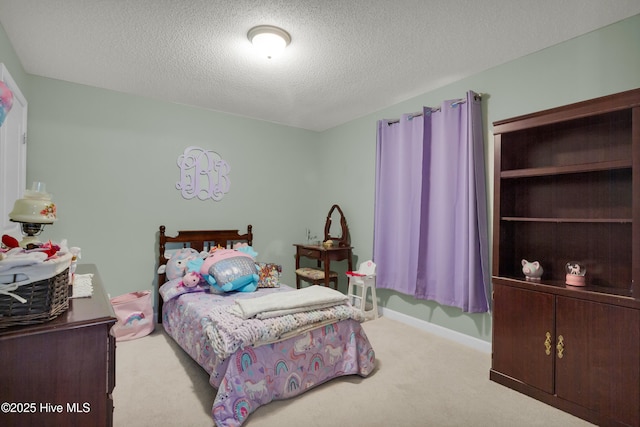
(560, 346)
(547, 344)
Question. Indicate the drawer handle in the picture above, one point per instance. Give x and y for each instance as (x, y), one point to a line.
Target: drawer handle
(560, 346)
(547, 344)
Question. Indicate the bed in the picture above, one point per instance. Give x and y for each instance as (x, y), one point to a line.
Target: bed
(280, 365)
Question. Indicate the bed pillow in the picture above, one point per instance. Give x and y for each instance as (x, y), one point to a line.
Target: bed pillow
(269, 275)
(174, 288)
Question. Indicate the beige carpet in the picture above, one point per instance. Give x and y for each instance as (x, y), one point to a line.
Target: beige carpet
(420, 380)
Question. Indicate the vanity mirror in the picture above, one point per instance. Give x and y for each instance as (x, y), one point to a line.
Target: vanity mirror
(335, 228)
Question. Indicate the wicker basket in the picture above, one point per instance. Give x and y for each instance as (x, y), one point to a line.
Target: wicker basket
(45, 299)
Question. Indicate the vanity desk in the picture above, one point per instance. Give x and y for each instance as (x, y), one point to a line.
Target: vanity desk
(324, 256)
(336, 247)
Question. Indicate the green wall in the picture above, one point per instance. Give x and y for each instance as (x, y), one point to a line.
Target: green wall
(596, 64)
(109, 159)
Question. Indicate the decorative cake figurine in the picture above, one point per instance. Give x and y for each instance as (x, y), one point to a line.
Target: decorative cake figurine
(532, 270)
(575, 273)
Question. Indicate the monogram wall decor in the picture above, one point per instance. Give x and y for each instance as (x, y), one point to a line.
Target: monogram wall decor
(203, 174)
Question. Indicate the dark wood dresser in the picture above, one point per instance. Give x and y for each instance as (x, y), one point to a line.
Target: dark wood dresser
(62, 372)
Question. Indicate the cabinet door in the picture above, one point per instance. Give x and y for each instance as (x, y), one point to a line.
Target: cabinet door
(523, 335)
(600, 363)
(64, 368)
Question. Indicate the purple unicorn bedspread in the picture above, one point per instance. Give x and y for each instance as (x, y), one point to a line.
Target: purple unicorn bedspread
(255, 376)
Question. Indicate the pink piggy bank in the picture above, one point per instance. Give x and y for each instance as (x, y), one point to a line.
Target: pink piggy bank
(532, 270)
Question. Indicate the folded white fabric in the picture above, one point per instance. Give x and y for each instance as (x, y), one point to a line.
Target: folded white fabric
(21, 259)
(29, 269)
(309, 298)
(82, 286)
(276, 313)
(33, 268)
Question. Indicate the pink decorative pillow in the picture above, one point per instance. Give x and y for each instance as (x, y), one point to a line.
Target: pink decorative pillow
(174, 288)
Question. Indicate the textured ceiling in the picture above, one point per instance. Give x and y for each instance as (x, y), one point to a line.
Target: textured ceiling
(347, 58)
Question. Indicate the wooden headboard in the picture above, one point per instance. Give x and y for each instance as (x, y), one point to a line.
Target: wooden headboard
(200, 240)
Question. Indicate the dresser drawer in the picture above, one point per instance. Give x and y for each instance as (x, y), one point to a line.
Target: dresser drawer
(309, 253)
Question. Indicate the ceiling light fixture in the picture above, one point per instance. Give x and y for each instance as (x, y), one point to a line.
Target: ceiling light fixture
(269, 40)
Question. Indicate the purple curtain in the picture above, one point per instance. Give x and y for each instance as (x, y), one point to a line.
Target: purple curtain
(397, 203)
(430, 222)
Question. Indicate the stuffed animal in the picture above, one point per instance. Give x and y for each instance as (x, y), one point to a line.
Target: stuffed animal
(244, 247)
(229, 270)
(177, 264)
(191, 279)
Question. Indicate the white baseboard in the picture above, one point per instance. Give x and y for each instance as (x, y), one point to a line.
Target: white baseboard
(441, 331)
